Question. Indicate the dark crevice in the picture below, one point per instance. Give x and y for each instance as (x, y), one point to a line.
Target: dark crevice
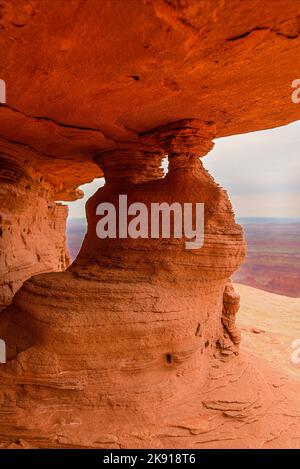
(168, 358)
(261, 28)
(34, 150)
(53, 121)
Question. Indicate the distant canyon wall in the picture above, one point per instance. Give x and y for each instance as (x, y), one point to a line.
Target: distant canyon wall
(273, 257)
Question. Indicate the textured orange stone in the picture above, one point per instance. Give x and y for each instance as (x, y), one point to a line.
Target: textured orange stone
(81, 77)
(135, 344)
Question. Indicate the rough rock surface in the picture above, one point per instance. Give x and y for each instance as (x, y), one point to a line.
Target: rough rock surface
(81, 76)
(135, 344)
(32, 226)
(132, 321)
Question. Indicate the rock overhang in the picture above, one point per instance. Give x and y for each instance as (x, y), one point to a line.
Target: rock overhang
(82, 77)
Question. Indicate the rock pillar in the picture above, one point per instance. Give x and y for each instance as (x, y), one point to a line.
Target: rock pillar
(122, 343)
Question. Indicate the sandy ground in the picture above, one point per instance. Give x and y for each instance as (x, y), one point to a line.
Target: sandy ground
(269, 324)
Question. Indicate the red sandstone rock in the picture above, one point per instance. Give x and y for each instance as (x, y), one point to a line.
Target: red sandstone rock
(135, 344)
(32, 227)
(81, 78)
(120, 327)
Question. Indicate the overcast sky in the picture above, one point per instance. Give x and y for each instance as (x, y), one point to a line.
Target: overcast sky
(260, 171)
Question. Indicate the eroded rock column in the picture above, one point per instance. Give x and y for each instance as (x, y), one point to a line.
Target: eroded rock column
(120, 347)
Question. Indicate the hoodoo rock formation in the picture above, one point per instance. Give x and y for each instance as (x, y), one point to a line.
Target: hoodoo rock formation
(135, 344)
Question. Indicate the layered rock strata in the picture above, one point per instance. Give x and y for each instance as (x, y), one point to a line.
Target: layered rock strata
(32, 226)
(136, 344)
(126, 347)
